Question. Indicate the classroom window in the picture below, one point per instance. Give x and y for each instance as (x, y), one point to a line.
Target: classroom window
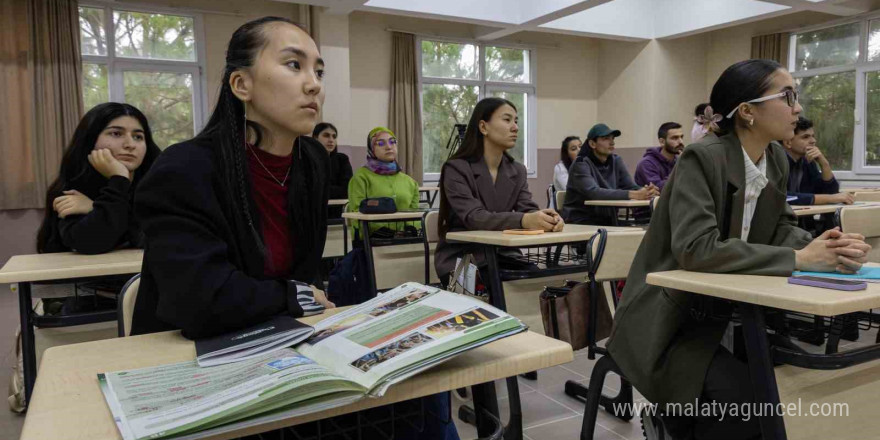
(148, 59)
(838, 75)
(454, 76)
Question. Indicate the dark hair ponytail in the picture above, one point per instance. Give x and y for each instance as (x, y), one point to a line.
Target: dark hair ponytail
(77, 173)
(741, 82)
(228, 129)
(471, 149)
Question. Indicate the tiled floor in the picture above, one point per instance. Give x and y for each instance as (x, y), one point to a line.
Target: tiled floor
(548, 413)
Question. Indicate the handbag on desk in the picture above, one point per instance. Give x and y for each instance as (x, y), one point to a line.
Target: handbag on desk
(378, 205)
(565, 312)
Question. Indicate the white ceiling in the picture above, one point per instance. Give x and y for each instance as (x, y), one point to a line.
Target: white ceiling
(614, 19)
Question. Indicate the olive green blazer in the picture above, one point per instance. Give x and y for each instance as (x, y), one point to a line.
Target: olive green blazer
(663, 339)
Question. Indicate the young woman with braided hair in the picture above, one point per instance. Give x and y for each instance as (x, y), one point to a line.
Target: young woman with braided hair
(235, 219)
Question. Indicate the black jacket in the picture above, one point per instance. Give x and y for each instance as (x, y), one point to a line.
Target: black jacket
(340, 174)
(589, 179)
(201, 272)
(111, 223)
(810, 182)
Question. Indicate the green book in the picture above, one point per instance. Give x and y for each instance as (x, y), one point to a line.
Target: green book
(352, 355)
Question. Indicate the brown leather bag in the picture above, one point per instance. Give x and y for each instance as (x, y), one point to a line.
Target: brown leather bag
(566, 313)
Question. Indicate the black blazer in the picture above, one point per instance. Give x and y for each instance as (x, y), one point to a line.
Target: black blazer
(201, 272)
(110, 225)
(340, 174)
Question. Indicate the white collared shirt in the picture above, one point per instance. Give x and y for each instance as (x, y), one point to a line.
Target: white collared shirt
(756, 180)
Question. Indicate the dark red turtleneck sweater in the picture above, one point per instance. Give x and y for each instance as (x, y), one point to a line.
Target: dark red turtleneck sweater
(271, 199)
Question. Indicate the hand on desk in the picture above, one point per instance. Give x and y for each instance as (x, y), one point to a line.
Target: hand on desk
(321, 298)
(546, 219)
(648, 191)
(833, 251)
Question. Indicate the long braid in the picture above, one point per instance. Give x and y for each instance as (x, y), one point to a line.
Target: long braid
(238, 177)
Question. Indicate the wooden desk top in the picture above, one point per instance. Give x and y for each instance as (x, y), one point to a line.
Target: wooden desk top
(860, 189)
(429, 188)
(857, 387)
(399, 215)
(569, 234)
(801, 210)
(770, 291)
(59, 266)
(337, 202)
(67, 402)
(619, 203)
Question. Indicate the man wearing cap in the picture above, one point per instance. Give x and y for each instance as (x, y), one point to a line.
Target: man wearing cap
(598, 174)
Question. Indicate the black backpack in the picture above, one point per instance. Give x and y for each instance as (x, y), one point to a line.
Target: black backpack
(349, 280)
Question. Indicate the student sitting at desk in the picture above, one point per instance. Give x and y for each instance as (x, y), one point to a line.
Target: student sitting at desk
(810, 177)
(234, 216)
(382, 177)
(483, 188)
(340, 166)
(89, 205)
(571, 146)
(599, 174)
(725, 212)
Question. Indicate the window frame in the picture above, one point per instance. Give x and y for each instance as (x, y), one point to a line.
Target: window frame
(861, 68)
(530, 155)
(116, 65)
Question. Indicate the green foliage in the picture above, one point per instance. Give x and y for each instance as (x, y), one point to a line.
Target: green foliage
(154, 36)
(95, 90)
(93, 37)
(444, 106)
(829, 101)
(166, 100)
(834, 46)
(872, 142)
(507, 65)
(450, 60)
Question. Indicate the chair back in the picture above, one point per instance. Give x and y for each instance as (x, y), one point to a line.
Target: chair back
(551, 197)
(560, 199)
(125, 308)
(865, 221)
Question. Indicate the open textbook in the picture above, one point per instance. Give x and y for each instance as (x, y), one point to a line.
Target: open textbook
(354, 354)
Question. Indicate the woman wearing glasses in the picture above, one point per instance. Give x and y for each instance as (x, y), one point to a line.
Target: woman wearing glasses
(382, 177)
(723, 211)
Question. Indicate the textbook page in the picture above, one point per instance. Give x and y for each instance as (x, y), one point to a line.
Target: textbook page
(179, 398)
(404, 331)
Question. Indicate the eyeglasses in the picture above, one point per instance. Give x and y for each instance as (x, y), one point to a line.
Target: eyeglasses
(382, 143)
(791, 98)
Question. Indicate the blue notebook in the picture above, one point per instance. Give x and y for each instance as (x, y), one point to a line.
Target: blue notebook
(866, 273)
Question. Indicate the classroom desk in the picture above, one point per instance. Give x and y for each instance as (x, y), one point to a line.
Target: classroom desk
(366, 219)
(430, 193)
(811, 210)
(337, 202)
(629, 205)
(68, 404)
(755, 293)
(25, 269)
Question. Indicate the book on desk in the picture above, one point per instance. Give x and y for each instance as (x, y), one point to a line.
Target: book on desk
(355, 354)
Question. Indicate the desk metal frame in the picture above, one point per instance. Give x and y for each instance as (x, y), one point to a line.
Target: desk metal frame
(28, 319)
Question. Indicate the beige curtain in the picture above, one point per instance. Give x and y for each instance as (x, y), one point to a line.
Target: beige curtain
(771, 47)
(404, 117)
(41, 100)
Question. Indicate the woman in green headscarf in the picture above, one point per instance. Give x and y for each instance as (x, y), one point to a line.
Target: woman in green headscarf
(382, 177)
